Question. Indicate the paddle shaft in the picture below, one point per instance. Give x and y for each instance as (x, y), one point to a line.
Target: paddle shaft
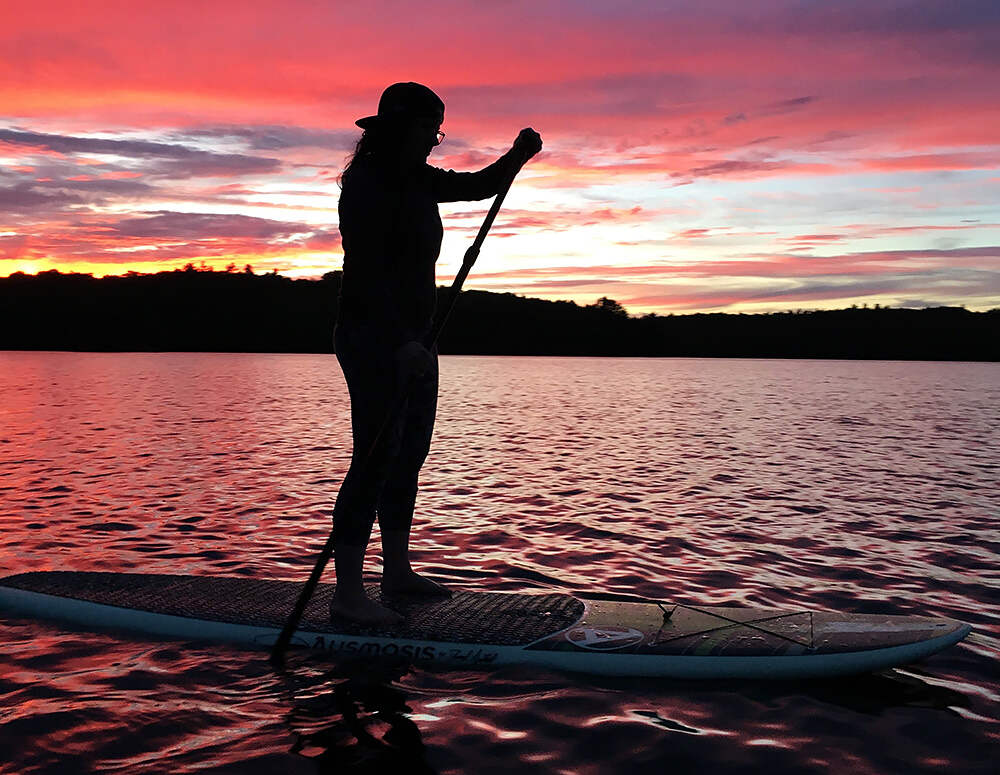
(278, 650)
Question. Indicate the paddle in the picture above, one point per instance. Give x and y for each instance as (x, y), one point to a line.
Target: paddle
(278, 650)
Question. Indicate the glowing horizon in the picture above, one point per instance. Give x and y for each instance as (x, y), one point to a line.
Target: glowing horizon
(699, 156)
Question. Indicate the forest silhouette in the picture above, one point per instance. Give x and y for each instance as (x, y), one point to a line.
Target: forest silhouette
(201, 310)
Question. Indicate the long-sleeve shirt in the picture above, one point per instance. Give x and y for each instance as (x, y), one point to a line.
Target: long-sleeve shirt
(391, 233)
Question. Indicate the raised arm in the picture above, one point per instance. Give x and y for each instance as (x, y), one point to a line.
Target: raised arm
(451, 186)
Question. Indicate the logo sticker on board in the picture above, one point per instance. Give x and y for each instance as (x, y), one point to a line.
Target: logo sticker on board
(604, 638)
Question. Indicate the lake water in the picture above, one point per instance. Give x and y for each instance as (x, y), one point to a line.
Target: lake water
(855, 486)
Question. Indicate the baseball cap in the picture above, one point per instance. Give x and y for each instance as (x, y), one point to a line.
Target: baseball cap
(402, 101)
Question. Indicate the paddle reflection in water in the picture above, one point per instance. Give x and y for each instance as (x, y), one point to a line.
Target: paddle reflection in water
(352, 718)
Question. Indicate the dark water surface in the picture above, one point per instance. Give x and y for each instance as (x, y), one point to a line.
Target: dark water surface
(856, 486)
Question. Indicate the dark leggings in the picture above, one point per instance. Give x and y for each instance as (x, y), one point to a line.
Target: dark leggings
(382, 482)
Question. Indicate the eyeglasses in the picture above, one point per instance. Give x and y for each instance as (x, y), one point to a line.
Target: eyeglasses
(440, 137)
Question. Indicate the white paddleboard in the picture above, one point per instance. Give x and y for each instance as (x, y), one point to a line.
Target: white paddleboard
(494, 628)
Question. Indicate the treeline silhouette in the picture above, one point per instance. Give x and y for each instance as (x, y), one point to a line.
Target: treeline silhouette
(197, 309)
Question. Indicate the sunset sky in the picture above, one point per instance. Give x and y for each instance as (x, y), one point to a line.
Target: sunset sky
(712, 155)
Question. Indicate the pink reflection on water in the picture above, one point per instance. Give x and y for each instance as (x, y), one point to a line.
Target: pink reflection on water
(858, 486)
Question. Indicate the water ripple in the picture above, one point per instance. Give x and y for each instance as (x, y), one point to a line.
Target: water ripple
(867, 487)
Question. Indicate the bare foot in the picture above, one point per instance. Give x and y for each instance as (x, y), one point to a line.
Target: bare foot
(363, 610)
(412, 583)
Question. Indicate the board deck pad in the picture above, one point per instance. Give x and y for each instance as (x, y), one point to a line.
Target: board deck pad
(598, 636)
(467, 617)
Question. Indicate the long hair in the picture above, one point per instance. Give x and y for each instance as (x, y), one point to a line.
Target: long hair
(374, 146)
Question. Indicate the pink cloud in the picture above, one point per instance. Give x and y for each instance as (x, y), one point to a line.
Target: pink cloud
(776, 265)
(241, 102)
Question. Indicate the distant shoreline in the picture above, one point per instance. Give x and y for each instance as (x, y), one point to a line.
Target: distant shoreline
(240, 312)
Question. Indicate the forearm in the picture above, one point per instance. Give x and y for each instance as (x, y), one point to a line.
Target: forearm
(451, 186)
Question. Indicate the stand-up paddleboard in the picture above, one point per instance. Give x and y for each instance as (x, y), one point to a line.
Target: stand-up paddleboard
(495, 628)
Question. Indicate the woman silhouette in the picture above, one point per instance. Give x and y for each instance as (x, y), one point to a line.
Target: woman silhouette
(391, 233)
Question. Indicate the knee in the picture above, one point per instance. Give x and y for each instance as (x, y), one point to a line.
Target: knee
(352, 526)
